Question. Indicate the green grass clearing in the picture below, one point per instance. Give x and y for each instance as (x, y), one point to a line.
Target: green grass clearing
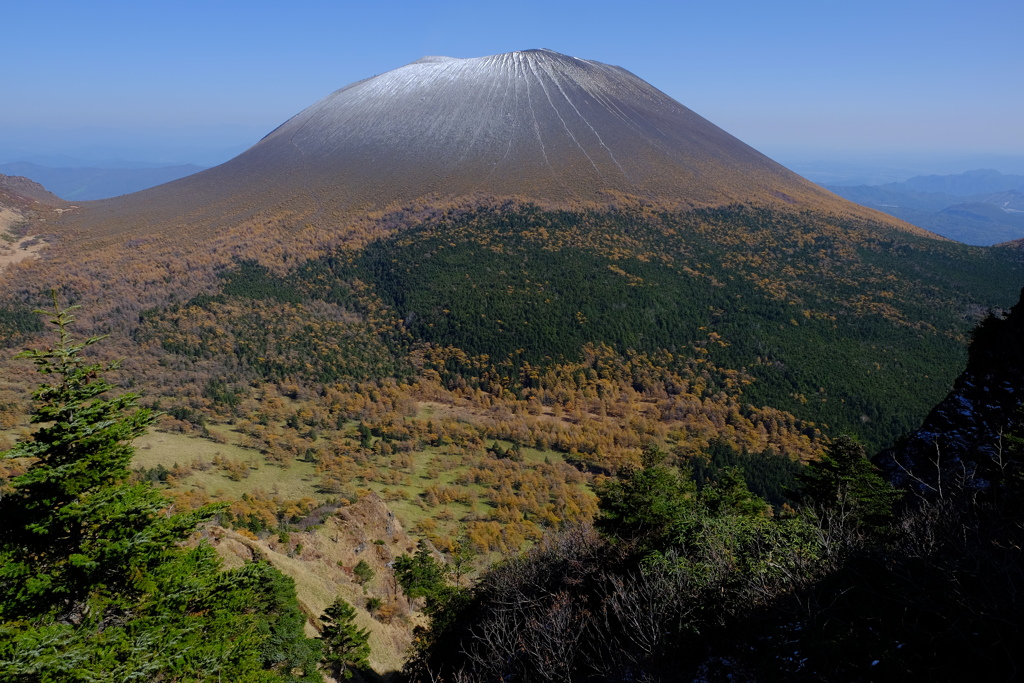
(291, 483)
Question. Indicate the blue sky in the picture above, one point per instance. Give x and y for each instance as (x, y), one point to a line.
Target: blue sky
(837, 78)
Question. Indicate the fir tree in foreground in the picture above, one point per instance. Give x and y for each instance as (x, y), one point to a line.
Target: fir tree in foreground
(346, 646)
(94, 584)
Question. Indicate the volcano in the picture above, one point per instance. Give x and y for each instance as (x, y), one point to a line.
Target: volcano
(535, 125)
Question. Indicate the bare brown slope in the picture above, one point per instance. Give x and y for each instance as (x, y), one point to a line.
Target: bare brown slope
(536, 125)
(25, 209)
(18, 192)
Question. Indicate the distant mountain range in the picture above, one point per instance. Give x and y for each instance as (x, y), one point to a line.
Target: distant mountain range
(982, 207)
(81, 184)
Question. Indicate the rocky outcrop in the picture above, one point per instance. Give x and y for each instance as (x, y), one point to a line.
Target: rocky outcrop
(962, 437)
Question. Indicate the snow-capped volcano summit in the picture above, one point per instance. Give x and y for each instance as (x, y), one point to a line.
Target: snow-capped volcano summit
(535, 125)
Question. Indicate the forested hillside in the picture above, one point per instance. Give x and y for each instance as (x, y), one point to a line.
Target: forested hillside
(858, 580)
(827, 572)
(828, 320)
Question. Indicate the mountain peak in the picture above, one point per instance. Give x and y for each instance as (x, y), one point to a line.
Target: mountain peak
(534, 124)
(433, 59)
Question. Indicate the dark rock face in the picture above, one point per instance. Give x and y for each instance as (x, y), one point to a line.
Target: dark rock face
(536, 125)
(963, 435)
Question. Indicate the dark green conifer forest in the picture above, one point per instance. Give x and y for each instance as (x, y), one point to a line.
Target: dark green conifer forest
(844, 325)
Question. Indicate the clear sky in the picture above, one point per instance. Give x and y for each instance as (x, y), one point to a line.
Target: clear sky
(826, 76)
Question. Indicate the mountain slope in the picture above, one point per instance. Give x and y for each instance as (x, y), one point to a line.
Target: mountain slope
(22, 193)
(535, 124)
(25, 208)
